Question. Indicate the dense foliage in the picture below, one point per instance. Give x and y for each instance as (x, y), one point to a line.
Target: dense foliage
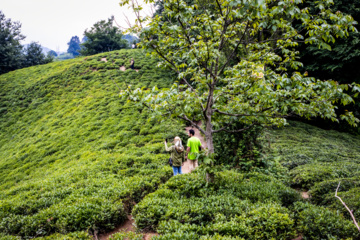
(103, 37)
(73, 156)
(236, 206)
(339, 64)
(240, 150)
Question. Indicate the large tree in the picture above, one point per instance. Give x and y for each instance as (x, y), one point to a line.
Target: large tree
(103, 37)
(232, 58)
(10, 47)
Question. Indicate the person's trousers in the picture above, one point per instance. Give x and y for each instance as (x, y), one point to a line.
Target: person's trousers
(177, 170)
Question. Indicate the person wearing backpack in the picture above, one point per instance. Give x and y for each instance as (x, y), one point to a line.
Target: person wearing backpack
(177, 155)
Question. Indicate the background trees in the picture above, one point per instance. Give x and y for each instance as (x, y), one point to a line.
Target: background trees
(341, 62)
(12, 54)
(10, 47)
(74, 46)
(33, 55)
(103, 37)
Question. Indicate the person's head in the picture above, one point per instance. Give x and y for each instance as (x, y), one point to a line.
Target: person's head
(177, 139)
(178, 144)
(191, 132)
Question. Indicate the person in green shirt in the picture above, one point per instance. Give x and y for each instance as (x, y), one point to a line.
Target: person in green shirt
(193, 147)
(177, 155)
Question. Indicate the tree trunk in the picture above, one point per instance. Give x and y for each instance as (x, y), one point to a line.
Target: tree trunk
(210, 176)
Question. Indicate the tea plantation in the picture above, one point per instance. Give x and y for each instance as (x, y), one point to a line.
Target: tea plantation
(75, 159)
(73, 156)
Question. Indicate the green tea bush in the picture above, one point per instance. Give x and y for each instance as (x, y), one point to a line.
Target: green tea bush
(70, 236)
(323, 191)
(126, 236)
(73, 155)
(300, 144)
(349, 191)
(352, 200)
(306, 176)
(321, 223)
(186, 207)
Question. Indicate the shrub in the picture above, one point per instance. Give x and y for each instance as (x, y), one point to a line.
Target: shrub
(321, 223)
(70, 236)
(322, 191)
(126, 236)
(182, 210)
(310, 144)
(307, 175)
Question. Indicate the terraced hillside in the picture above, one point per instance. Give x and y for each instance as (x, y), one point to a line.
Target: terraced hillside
(73, 156)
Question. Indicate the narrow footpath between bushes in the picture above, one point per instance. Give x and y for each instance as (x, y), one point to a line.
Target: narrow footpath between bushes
(128, 225)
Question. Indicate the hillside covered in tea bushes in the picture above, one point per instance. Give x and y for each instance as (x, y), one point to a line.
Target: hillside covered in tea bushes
(73, 156)
(75, 160)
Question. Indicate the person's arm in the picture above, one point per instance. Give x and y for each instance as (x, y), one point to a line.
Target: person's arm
(166, 147)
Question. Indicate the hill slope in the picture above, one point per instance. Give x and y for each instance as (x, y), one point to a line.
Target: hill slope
(73, 156)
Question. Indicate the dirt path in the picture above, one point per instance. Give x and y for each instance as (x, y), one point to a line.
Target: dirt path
(186, 168)
(128, 225)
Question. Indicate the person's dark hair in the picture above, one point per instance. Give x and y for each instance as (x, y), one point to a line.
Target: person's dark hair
(192, 132)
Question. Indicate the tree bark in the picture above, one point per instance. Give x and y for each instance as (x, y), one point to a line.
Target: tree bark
(210, 176)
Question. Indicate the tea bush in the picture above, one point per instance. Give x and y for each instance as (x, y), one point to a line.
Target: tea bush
(349, 191)
(323, 192)
(57, 236)
(300, 143)
(126, 236)
(73, 155)
(321, 223)
(227, 208)
(318, 160)
(306, 176)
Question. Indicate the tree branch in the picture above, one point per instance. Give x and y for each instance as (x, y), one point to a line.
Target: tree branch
(352, 216)
(240, 115)
(234, 131)
(235, 49)
(184, 117)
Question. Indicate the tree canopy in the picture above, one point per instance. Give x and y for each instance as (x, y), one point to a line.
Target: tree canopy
(232, 60)
(341, 62)
(103, 37)
(10, 47)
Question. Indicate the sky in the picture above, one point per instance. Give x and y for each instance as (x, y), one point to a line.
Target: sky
(52, 23)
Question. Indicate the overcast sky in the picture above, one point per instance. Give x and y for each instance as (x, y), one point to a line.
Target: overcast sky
(53, 23)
